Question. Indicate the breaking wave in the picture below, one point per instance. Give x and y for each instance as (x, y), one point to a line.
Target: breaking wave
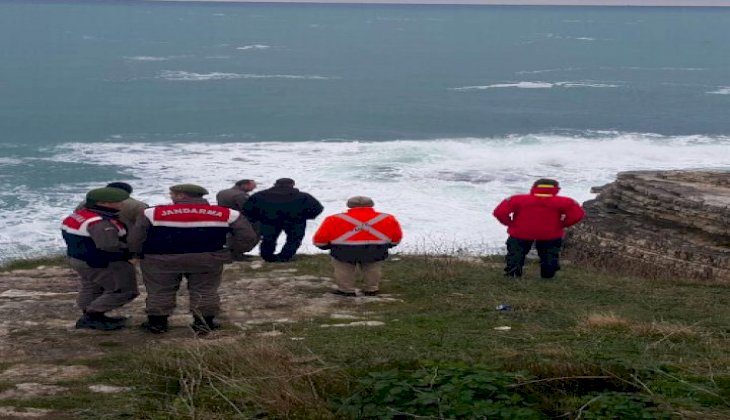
(539, 85)
(253, 47)
(184, 76)
(442, 190)
(721, 91)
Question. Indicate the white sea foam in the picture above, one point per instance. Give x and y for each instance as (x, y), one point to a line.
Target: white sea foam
(184, 76)
(539, 85)
(520, 85)
(721, 91)
(146, 58)
(559, 69)
(254, 47)
(442, 190)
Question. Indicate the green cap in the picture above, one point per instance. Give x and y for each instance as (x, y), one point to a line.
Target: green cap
(107, 194)
(191, 189)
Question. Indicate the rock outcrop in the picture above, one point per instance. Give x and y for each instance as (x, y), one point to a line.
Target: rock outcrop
(658, 224)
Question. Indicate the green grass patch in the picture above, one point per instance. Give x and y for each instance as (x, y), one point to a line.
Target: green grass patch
(30, 263)
(587, 345)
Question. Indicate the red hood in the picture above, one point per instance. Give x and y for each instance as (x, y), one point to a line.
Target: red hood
(544, 191)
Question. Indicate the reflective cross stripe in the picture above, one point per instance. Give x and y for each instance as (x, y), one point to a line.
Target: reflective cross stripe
(360, 226)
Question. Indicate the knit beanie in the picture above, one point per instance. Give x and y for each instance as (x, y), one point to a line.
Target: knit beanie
(360, 201)
(546, 183)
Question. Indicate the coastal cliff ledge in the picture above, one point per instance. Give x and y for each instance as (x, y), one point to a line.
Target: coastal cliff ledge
(658, 224)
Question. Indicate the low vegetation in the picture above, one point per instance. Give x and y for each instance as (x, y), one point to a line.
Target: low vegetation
(25, 264)
(588, 345)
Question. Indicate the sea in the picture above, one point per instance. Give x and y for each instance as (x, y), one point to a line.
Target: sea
(436, 112)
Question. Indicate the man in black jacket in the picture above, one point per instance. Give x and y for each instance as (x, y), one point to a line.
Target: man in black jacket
(281, 208)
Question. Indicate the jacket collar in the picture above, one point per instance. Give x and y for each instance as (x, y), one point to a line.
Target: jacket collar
(200, 200)
(361, 210)
(103, 211)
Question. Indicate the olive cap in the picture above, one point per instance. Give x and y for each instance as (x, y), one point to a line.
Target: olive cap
(106, 195)
(360, 201)
(191, 189)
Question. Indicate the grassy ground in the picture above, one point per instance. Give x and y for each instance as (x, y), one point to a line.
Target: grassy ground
(29, 263)
(587, 345)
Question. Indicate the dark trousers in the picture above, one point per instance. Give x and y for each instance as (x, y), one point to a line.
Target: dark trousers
(104, 289)
(162, 275)
(270, 233)
(549, 252)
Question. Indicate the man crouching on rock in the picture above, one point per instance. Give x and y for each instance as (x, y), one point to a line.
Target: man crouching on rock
(97, 251)
(187, 238)
(360, 237)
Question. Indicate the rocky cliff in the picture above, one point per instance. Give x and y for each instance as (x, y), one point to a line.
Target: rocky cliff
(658, 224)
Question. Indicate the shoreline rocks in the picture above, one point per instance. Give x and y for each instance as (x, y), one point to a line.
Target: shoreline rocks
(658, 224)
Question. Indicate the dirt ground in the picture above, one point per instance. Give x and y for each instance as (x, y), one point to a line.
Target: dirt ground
(38, 341)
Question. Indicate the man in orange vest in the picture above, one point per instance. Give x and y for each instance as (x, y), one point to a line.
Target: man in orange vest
(360, 237)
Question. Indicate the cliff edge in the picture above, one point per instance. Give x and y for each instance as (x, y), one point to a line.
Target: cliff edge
(658, 224)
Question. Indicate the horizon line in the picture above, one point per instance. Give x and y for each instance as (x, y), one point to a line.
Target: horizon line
(578, 3)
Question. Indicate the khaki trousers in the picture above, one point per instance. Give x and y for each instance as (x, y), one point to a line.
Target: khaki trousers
(345, 274)
(104, 289)
(162, 275)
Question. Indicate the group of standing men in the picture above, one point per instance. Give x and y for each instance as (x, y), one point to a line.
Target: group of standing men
(193, 239)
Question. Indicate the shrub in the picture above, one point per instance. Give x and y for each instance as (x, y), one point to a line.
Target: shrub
(452, 390)
(621, 405)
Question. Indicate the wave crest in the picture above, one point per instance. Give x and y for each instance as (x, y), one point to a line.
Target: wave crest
(539, 85)
(185, 76)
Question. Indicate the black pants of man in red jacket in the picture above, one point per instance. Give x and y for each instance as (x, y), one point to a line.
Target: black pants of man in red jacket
(548, 251)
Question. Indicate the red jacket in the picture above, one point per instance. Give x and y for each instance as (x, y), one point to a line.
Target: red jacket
(540, 215)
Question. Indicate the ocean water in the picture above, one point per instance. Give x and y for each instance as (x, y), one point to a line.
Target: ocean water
(437, 112)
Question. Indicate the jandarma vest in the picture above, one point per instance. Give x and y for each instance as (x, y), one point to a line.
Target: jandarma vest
(75, 231)
(187, 228)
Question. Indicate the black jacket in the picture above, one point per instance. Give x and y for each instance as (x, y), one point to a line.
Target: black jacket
(280, 205)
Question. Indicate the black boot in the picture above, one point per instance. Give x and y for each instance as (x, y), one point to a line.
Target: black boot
(98, 321)
(204, 324)
(119, 319)
(155, 324)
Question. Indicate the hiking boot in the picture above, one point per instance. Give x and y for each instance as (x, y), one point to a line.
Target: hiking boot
(371, 293)
(339, 292)
(155, 324)
(204, 324)
(97, 321)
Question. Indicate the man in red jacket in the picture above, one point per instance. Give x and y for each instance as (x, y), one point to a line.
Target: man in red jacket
(361, 237)
(540, 218)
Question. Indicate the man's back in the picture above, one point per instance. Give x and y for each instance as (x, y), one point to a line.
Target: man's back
(281, 204)
(539, 215)
(131, 210)
(233, 198)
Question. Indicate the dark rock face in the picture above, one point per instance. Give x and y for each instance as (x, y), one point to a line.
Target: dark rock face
(658, 224)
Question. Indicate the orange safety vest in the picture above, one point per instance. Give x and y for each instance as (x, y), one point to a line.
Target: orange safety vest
(359, 226)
